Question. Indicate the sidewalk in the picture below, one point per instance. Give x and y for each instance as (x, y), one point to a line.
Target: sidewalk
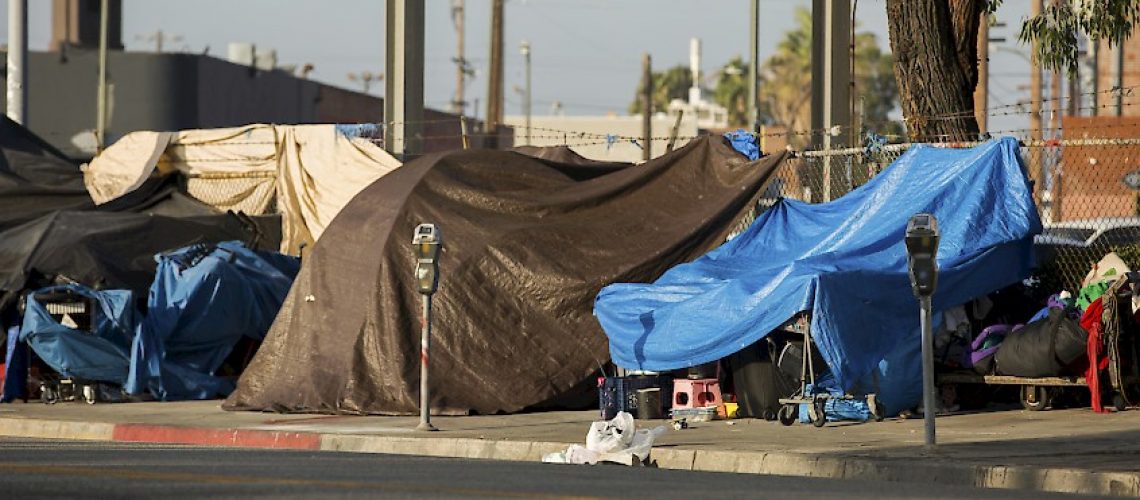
(1073, 451)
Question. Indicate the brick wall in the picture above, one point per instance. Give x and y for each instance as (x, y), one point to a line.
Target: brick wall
(1091, 183)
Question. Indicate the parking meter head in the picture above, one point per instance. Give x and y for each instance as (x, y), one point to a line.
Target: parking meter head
(922, 254)
(426, 244)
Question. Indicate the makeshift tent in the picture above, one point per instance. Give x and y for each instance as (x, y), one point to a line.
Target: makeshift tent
(110, 250)
(528, 243)
(204, 299)
(307, 173)
(843, 261)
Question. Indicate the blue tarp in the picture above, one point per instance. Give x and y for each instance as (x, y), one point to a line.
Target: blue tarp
(203, 300)
(100, 354)
(843, 261)
(744, 142)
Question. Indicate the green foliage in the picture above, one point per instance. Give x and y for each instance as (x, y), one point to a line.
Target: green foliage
(670, 84)
(785, 81)
(732, 91)
(1056, 29)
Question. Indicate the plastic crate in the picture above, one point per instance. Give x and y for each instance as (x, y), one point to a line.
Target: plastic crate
(620, 393)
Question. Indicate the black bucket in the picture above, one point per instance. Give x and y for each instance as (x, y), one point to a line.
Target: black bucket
(649, 404)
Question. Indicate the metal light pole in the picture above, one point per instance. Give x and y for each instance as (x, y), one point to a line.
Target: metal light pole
(101, 99)
(17, 55)
(754, 66)
(524, 48)
(404, 78)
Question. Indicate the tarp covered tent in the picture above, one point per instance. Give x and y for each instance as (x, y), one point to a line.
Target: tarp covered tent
(844, 261)
(528, 243)
(204, 299)
(306, 173)
(111, 250)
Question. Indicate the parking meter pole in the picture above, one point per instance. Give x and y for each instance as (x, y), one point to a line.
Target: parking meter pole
(425, 348)
(928, 393)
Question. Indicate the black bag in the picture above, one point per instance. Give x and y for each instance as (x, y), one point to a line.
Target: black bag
(758, 382)
(1043, 348)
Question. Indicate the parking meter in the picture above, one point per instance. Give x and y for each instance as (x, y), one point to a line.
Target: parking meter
(426, 244)
(922, 254)
(922, 265)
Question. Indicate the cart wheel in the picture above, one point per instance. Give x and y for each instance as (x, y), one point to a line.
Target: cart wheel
(875, 407)
(769, 415)
(789, 414)
(1034, 398)
(89, 394)
(820, 412)
(47, 395)
(1118, 402)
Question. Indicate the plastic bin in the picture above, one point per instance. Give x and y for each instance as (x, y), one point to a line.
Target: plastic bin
(620, 393)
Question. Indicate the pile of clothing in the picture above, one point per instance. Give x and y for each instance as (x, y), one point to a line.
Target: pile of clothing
(1066, 338)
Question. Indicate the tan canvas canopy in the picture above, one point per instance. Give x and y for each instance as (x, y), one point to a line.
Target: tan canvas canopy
(307, 173)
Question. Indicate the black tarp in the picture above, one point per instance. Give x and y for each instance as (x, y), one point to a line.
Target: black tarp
(528, 243)
(51, 230)
(111, 250)
(35, 178)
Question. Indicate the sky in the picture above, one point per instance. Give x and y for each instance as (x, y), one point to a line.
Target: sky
(586, 54)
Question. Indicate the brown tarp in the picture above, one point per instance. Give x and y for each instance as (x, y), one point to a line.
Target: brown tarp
(528, 243)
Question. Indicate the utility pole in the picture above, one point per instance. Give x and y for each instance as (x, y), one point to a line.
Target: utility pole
(457, 17)
(524, 48)
(830, 78)
(982, 90)
(1094, 75)
(17, 80)
(1035, 135)
(1057, 173)
(101, 99)
(1118, 82)
(495, 79)
(1074, 85)
(404, 78)
(754, 67)
(646, 106)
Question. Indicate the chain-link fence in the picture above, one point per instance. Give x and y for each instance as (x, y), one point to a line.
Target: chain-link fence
(1085, 191)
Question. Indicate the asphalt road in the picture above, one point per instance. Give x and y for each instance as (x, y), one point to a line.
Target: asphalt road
(75, 469)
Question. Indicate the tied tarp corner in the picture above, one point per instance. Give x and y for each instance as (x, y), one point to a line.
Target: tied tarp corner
(528, 243)
(844, 261)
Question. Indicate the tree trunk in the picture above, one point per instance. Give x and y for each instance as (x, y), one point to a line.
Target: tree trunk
(934, 43)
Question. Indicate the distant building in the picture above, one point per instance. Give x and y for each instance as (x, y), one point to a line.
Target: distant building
(1092, 185)
(709, 115)
(176, 91)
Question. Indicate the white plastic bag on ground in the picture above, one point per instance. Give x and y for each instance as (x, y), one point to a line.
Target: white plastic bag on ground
(616, 441)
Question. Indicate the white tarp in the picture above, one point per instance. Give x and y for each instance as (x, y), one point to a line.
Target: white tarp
(307, 173)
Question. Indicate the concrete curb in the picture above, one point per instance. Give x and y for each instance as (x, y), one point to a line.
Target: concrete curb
(770, 463)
